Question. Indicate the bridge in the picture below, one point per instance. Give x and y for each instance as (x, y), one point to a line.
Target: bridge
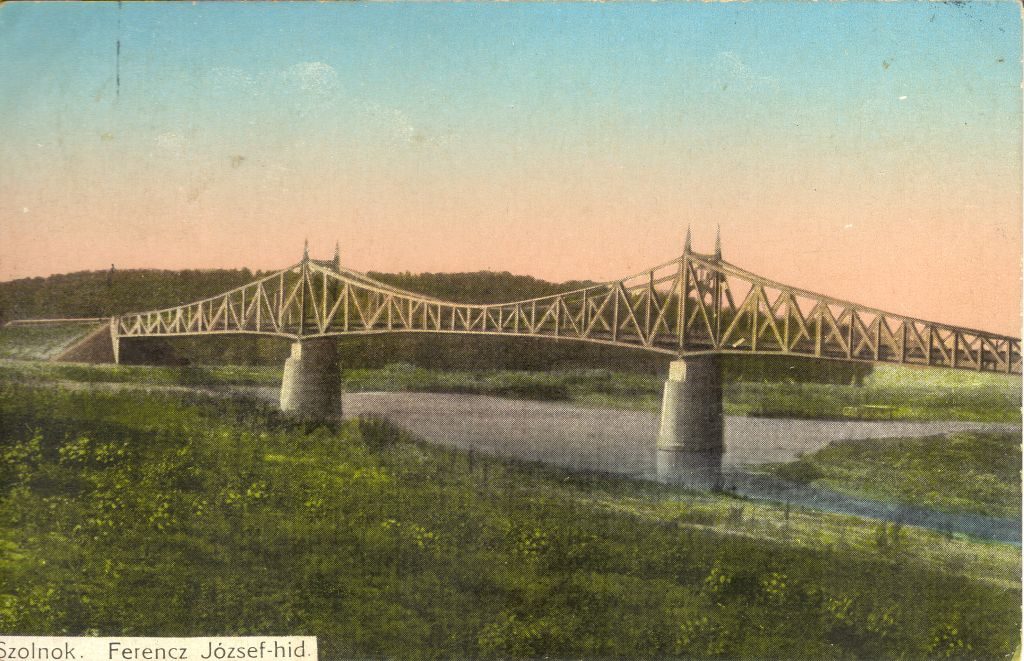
(695, 304)
(695, 308)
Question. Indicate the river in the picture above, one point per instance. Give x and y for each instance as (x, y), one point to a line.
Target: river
(623, 442)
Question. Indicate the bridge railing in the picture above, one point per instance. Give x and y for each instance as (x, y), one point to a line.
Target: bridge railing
(57, 321)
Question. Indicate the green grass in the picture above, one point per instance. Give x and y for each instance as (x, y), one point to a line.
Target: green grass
(908, 394)
(193, 375)
(963, 472)
(40, 342)
(626, 390)
(140, 513)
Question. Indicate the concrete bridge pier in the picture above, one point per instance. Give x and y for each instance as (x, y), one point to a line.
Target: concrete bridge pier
(690, 442)
(115, 341)
(311, 385)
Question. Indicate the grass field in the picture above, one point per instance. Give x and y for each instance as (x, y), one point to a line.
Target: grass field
(219, 375)
(906, 393)
(963, 472)
(141, 514)
(40, 342)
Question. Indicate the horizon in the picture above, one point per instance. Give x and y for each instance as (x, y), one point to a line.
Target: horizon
(869, 152)
(414, 274)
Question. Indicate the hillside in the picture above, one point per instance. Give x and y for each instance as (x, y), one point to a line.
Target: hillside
(105, 293)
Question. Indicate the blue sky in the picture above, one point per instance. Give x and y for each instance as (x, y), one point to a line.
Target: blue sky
(462, 136)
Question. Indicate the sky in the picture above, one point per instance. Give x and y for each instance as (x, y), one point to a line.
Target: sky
(870, 151)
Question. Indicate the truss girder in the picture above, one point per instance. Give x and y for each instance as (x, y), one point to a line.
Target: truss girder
(685, 306)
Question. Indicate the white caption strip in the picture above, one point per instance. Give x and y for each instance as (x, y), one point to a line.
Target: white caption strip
(212, 648)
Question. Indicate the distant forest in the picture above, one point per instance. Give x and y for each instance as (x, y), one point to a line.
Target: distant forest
(107, 293)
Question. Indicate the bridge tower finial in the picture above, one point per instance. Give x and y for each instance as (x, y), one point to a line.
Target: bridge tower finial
(305, 250)
(337, 255)
(687, 246)
(718, 242)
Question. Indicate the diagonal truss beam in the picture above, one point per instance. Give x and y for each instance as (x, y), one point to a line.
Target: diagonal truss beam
(682, 307)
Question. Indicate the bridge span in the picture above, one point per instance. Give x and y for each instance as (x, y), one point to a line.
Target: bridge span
(695, 308)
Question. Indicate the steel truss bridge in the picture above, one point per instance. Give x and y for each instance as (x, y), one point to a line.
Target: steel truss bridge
(694, 304)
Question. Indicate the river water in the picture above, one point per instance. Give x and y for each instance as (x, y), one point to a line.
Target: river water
(611, 440)
(623, 442)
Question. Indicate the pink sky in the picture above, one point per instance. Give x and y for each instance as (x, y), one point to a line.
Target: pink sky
(897, 187)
